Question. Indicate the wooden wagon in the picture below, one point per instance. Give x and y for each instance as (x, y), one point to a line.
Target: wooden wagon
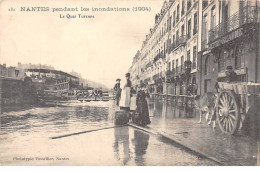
(234, 103)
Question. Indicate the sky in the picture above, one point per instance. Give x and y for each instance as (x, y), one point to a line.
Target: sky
(100, 49)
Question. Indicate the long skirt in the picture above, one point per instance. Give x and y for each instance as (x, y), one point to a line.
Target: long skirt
(142, 114)
(133, 103)
(125, 98)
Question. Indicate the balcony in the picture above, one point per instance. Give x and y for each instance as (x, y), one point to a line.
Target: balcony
(158, 56)
(244, 16)
(171, 47)
(147, 80)
(170, 74)
(178, 42)
(148, 65)
(156, 76)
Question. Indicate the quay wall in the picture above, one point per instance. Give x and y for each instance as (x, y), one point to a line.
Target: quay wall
(15, 92)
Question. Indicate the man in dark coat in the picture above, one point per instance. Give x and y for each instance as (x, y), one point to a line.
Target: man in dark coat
(118, 91)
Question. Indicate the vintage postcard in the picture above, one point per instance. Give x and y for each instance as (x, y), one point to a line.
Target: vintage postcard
(129, 83)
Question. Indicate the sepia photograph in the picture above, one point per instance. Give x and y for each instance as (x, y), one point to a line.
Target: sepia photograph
(130, 83)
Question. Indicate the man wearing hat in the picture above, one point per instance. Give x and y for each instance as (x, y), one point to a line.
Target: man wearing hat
(118, 91)
(128, 82)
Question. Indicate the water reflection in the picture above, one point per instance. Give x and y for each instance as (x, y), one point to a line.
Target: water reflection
(140, 141)
(121, 144)
(171, 109)
(130, 153)
(27, 133)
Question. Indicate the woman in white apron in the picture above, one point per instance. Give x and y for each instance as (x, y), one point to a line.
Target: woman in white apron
(126, 94)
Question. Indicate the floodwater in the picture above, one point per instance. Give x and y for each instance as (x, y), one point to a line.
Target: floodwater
(159, 108)
(25, 139)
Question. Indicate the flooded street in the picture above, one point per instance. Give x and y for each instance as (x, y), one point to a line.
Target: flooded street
(25, 139)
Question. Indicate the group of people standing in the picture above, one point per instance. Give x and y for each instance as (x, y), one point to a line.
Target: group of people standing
(135, 102)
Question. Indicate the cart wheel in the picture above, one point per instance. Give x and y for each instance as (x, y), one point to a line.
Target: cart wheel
(228, 112)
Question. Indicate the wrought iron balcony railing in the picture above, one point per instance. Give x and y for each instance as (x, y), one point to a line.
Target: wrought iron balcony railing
(149, 64)
(158, 56)
(245, 15)
(170, 73)
(180, 41)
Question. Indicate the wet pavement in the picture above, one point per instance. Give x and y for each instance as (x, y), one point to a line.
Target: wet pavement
(25, 139)
(181, 125)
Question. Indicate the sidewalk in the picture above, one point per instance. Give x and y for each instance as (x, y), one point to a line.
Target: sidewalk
(206, 141)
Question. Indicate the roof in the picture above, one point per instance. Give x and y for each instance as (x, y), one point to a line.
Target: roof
(51, 71)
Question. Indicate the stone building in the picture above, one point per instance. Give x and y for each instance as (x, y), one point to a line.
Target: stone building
(230, 41)
(193, 42)
(168, 56)
(9, 72)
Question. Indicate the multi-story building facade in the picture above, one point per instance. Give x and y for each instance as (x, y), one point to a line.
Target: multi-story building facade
(182, 49)
(230, 41)
(135, 70)
(192, 43)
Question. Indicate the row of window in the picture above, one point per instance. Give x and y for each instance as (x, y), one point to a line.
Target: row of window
(175, 18)
(235, 52)
(175, 65)
(195, 24)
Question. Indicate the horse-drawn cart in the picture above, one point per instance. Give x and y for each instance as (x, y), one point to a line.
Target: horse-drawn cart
(235, 103)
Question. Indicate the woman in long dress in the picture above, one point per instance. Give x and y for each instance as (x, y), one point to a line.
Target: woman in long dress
(126, 94)
(142, 111)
